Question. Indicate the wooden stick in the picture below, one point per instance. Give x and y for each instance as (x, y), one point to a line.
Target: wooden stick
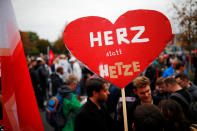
(124, 109)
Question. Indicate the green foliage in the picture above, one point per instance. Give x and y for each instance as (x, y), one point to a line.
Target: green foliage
(34, 46)
(33, 37)
(42, 45)
(59, 46)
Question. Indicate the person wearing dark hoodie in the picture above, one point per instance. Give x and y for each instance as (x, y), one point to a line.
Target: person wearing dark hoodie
(71, 104)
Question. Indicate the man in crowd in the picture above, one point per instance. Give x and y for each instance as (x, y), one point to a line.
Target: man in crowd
(176, 90)
(143, 91)
(170, 71)
(93, 116)
(180, 68)
(183, 80)
(43, 74)
(160, 89)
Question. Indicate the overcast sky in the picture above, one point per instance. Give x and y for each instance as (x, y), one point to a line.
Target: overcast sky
(48, 17)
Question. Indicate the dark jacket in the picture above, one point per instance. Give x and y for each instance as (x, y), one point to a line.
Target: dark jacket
(161, 96)
(43, 76)
(151, 73)
(193, 91)
(34, 77)
(56, 82)
(90, 118)
(186, 95)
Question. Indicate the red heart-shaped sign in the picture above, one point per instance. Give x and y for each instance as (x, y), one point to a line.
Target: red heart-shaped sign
(121, 51)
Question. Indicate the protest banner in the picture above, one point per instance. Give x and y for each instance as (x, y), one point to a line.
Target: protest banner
(20, 110)
(118, 52)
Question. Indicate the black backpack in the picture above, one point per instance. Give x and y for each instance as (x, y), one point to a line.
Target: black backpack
(192, 110)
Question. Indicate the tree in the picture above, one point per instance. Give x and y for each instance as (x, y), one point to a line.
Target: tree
(33, 37)
(42, 45)
(186, 15)
(29, 40)
(59, 46)
(26, 41)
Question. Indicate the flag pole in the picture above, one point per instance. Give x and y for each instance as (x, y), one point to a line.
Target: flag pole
(124, 109)
(48, 54)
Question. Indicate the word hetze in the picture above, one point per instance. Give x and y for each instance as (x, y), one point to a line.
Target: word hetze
(119, 69)
(121, 34)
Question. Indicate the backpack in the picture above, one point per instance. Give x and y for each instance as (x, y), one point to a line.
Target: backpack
(54, 114)
(192, 110)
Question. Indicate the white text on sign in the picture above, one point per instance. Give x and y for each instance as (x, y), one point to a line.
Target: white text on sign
(121, 36)
(119, 69)
(114, 53)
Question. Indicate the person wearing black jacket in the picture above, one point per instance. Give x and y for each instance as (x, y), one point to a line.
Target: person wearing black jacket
(43, 74)
(57, 79)
(173, 87)
(183, 80)
(93, 116)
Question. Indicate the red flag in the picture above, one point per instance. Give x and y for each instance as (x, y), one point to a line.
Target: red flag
(51, 57)
(195, 50)
(20, 110)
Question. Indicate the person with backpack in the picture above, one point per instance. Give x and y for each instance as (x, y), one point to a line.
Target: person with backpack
(63, 107)
(71, 103)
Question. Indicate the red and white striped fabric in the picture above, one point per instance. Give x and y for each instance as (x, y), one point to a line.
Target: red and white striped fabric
(20, 110)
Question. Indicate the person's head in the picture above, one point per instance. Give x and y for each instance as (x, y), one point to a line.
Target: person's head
(183, 80)
(171, 84)
(71, 82)
(173, 63)
(180, 66)
(160, 59)
(147, 117)
(160, 85)
(56, 60)
(39, 60)
(173, 115)
(60, 70)
(63, 56)
(33, 63)
(97, 89)
(72, 60)
(143, 90)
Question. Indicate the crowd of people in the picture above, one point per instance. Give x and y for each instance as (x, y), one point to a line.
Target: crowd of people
(158, 99)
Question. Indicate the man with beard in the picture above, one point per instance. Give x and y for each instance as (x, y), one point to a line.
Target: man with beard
(93, 116)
